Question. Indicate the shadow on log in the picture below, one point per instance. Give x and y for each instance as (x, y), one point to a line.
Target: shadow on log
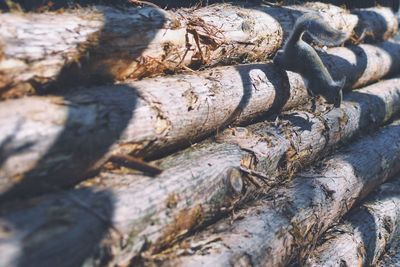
(107, 127)
(60, 141)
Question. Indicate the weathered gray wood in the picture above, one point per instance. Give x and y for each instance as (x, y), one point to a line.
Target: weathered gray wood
(103, 44)
(59, 140)
(197, 186)
(272, 232)
(367, 231)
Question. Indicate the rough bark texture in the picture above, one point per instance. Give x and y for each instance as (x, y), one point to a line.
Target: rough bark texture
(274, 232)
(101, 44)
(58, 140)
(197, 186)
(367, 231)
(392, 255)
(136, 205)
(301, 138)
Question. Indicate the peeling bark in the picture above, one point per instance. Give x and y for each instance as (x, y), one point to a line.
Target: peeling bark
(274, 231)
(197, 186)
(102, 44)
(59, 140)
(367, 231)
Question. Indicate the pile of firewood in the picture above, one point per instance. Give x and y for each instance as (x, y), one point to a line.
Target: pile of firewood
(140, 136)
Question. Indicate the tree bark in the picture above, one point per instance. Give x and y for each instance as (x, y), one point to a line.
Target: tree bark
(275, 231)
(102, 44)
(367, 231)
(197, 186)
(392, 255)
(59, 140)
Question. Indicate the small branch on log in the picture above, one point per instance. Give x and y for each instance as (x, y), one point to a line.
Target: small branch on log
(276, 231)
(135, 163)
(365, 233)
(197, 186)
(60, 140)
(102, 44)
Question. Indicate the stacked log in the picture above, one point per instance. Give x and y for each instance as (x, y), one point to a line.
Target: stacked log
(202, 183)
(102, 44)
(366, 233)
(275, 231)
(71, 135)
(174, 209)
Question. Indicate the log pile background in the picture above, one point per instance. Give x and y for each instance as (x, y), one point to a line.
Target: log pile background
(132, 135)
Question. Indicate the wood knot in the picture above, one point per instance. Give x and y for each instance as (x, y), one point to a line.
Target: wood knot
(234, 181)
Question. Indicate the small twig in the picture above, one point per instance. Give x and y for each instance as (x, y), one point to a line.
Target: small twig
(187, 68)
(197, 41)
(245, 43)
(267, 3)
(188, 46)
(135, 163)
(140, 2)
(255, 173)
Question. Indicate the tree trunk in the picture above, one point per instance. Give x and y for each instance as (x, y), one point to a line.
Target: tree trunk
(197, 186)
(367, 231)
(101, 44)
(59, 140)
(276, 231)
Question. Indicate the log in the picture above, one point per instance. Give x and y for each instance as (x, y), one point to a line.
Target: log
(283, 228)
(197, 186)
(40, 52)
(60, 140)
(365, 234)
